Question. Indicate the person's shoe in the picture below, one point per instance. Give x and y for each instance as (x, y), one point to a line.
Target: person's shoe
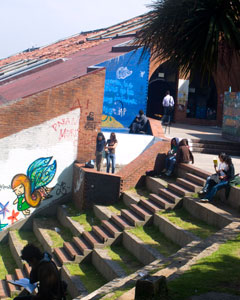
(204, 200)
(164, 170)
(168, 173)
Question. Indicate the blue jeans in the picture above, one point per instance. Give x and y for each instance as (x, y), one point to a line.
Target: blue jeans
(170, 163)
(212, 192)
(111, 157)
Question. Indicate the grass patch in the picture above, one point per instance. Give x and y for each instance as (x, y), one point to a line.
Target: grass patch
(116, 208)
(141, 192)
(125, 259)
(58, 238)
(87, 218)
(118, 293)
(218, 272)
(185, 220)
(7, 262)
(28, 237)
(90, 277)
(151, 236)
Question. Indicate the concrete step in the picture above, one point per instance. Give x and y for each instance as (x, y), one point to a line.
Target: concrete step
(130, 198)
(164, 203)
(151, 206)
(92, 239)
(111, 227)
(195, 179)
(153, 184)
(189, 185)
(169, 195)
(3, 289)
(62, 255)
(133, 218)
(103, 235)
(175, 188)
(19, 274)
(142, 212)
(73, 251)
(82, 245)
(121, 222)
(27, 269)
(215, 151)
(12, 289)
(194, 170)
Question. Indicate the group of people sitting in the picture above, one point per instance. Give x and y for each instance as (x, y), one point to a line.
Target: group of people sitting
(179, 153)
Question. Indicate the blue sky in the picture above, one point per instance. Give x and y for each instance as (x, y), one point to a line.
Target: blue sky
(27, 23)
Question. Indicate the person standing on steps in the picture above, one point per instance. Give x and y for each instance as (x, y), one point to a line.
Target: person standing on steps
(168, 105)
(100, 144)
(110, 151)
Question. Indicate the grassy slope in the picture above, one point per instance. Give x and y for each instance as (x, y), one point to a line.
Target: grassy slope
(183, 219)
(26, 237)
(7, 263)
(218, 272)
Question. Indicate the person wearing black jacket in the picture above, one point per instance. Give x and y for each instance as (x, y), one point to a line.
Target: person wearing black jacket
(229, 175)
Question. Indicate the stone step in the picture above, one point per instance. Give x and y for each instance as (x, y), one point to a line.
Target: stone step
(73, 251)
(164, 203)
(103, 235)
(13, 289)
(27, 269)
(19, 274)
(112, 228)
(121, 222)
(179, 189)
(153, 184)
(3, 289)
(152, 207)
(62, 255)
(133, 218)
(189, 185)
(194, 170)
(92, 239)
(82, 245)
(130, 198)
(142, 212)
(195, 179)
(169, 195)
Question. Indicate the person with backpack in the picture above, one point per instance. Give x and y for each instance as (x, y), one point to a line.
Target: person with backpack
(45, 272)
(168, 106)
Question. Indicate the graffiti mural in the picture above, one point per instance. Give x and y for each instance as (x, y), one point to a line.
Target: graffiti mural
(126, 87)
(31, 188)
(231, 114)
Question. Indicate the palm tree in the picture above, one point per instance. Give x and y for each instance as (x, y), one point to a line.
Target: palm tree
(193, 34)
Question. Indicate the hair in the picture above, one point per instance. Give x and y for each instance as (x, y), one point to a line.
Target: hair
(114, 137)
(184, 142)
(141, 112)
(228, 160)
(222, 155)
(100, 134)
(29, 252)
(174, 139)
(25, 181)
(167, 92)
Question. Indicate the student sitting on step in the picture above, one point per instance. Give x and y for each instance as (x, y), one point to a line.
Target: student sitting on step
(224, 181)
(171, 156)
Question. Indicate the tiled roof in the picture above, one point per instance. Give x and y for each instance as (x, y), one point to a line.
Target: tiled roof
(82, 41)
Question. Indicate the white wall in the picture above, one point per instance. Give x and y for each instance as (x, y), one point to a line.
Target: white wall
(56, 138)
(130, 146)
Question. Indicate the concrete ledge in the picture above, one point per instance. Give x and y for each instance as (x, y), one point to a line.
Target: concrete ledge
(141, 251)
(130, 198)
(207, 212)
(103, 263)
(234, 197)
(75, 286)
(102, 212)
(15, 248)
(67, 222)
(176, 234)
(42, 235)
(154, 184)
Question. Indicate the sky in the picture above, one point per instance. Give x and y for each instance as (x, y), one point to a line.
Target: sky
(35, 23)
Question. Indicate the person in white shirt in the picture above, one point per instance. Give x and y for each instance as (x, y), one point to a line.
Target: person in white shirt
(168, 104)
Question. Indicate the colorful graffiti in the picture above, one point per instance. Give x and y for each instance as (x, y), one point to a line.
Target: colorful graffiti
(231, 115)
(126, 86)
(32, 188)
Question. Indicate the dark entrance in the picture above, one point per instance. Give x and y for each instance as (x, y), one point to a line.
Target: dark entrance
(163, 79)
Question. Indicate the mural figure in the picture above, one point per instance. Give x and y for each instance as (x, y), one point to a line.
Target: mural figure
(32, 188)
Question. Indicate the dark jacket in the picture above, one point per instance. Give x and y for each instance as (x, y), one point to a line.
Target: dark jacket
(229, 173)
(184, 155)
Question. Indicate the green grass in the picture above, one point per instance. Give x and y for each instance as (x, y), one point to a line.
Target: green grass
(87, 218)
(7, 263)
(28, 237)
(125, 259)
(116, 207)
(185, 220)
(58, 239)
(141, 192)
(151, 236)
(218, 272)
(118, 293)
(90, 277)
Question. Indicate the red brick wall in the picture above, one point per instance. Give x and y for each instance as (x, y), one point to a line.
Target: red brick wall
(152, 158)
(85, 93)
